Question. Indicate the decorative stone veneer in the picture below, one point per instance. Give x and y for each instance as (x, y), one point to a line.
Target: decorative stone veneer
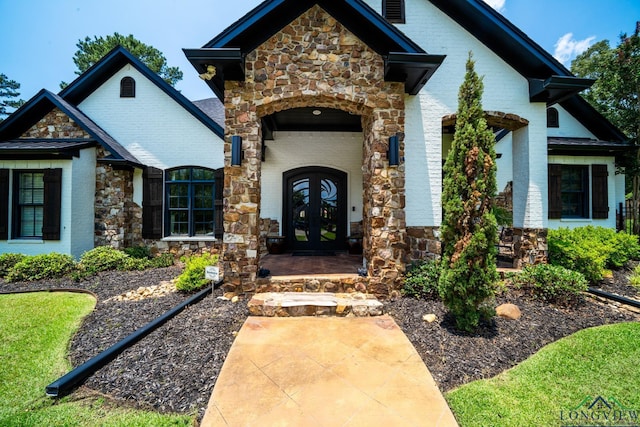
(315, 61)
(268, 227)
(180, 248)
(56, 124)
(423, 243)
(118, 220)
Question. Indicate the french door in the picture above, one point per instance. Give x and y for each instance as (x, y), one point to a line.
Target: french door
(315, 213)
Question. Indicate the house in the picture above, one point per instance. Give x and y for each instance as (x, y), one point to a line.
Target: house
(88, 166)
(338, 115)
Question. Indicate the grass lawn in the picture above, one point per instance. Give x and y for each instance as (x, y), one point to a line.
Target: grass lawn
(557, 385)
(35, 330)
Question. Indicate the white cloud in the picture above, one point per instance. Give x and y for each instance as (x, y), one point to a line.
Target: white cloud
(568, 48)
(496, 4)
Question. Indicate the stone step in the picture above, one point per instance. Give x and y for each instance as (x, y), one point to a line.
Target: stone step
(294, 304)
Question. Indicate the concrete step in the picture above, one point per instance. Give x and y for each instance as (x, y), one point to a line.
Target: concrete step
(294, 304)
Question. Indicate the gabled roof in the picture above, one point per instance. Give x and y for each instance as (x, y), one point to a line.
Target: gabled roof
(590, 118)
(213, 108)
(113, 62)
(405, 61)
(44, 102)
(549, 80)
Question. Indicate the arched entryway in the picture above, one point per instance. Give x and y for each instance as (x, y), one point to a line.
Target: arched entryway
(314, 210)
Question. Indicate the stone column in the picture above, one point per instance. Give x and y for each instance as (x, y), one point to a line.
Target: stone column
(241, 194)
(384, 200)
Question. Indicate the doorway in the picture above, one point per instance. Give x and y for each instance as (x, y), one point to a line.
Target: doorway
(315, 213)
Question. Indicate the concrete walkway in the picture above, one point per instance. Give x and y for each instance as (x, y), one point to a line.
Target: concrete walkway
(325, 371)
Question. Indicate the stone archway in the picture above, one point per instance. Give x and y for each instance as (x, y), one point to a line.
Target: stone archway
(315, 62)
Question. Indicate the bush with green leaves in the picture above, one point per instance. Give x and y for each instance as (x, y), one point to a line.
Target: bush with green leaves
(552, 283)
(140, 252)
(421, 280)
(102, 258)
(7, 261)
(46, 266)
(591, 250)
(192, 278)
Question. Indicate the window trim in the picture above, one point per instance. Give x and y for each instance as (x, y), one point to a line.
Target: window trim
(17, 206)
(217, 183)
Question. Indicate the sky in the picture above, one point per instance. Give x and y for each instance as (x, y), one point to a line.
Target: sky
(39, 36)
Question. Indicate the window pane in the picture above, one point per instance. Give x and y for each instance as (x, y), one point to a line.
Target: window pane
(574, 188)
(202, 174)
(203, 196)
(203, 222)
(179, 223)
(30, 195)
(178, 175)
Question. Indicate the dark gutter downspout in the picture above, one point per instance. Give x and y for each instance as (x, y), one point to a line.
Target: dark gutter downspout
(63, 385)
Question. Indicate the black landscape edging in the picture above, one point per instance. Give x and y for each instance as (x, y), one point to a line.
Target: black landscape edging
(66, 383)
(614, 297)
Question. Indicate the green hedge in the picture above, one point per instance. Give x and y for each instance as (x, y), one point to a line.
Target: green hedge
(591, 250)
(192, 278)
(552, 283)
(421, 280)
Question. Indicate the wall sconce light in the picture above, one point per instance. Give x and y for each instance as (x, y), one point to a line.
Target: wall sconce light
(211, 72)
(236, 150)
(394, 151)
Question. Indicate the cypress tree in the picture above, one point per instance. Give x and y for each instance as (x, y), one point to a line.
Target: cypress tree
(469, 230)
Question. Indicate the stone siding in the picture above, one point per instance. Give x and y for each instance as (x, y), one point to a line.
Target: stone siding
(315, 61)
(56, 124)
(180, 248)
(423, 243)
(118, 220)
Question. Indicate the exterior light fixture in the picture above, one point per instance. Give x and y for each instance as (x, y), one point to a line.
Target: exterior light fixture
(394, 151)
(211, 72)
(236, 150)
(317, 112)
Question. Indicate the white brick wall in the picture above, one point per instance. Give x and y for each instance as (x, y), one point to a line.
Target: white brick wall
(154, 128)
(615, 190)
(569, 126)
(505, 90)
(291, 150)
(76, 221)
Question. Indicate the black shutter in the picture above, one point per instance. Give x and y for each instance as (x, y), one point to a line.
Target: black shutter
(600, 193)
(152, 180)
(52, 204)
(4, 204)
(555, 191)
(218, 213)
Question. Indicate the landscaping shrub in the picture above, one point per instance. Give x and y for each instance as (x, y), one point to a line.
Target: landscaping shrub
(590, 250)
(421, 280)
(140, 252)
(192, 278)
(7, 261)
(47, 266)
(102, 258)
(634, 279)
(552, 283)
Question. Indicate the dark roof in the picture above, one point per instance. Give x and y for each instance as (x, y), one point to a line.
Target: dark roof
(41, 104)
(113, 62)
(213, 108)
(586, 146)
(590, 118)
(43, 148)
(405, 61)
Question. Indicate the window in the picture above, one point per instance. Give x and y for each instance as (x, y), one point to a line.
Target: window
(35, 202)
(569, 192)
(29, 192)
(552, 118)
(127, 87)
(193, 202)
(393, 11)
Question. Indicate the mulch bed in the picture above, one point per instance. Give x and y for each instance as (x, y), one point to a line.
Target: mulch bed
(175, 367)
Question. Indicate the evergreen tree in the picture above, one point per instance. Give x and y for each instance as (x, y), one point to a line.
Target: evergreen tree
(8, 93)
(469, 230)
(91, 51)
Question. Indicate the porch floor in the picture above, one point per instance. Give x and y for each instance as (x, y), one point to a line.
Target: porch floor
(289, 265)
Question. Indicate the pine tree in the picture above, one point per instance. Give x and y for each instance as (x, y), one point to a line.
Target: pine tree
(469, 230)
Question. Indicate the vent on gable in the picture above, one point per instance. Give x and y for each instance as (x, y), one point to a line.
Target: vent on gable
(393, 11)
(127, 87)
(552, 118)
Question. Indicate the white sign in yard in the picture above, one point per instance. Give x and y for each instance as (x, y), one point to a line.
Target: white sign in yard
(211, 273)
